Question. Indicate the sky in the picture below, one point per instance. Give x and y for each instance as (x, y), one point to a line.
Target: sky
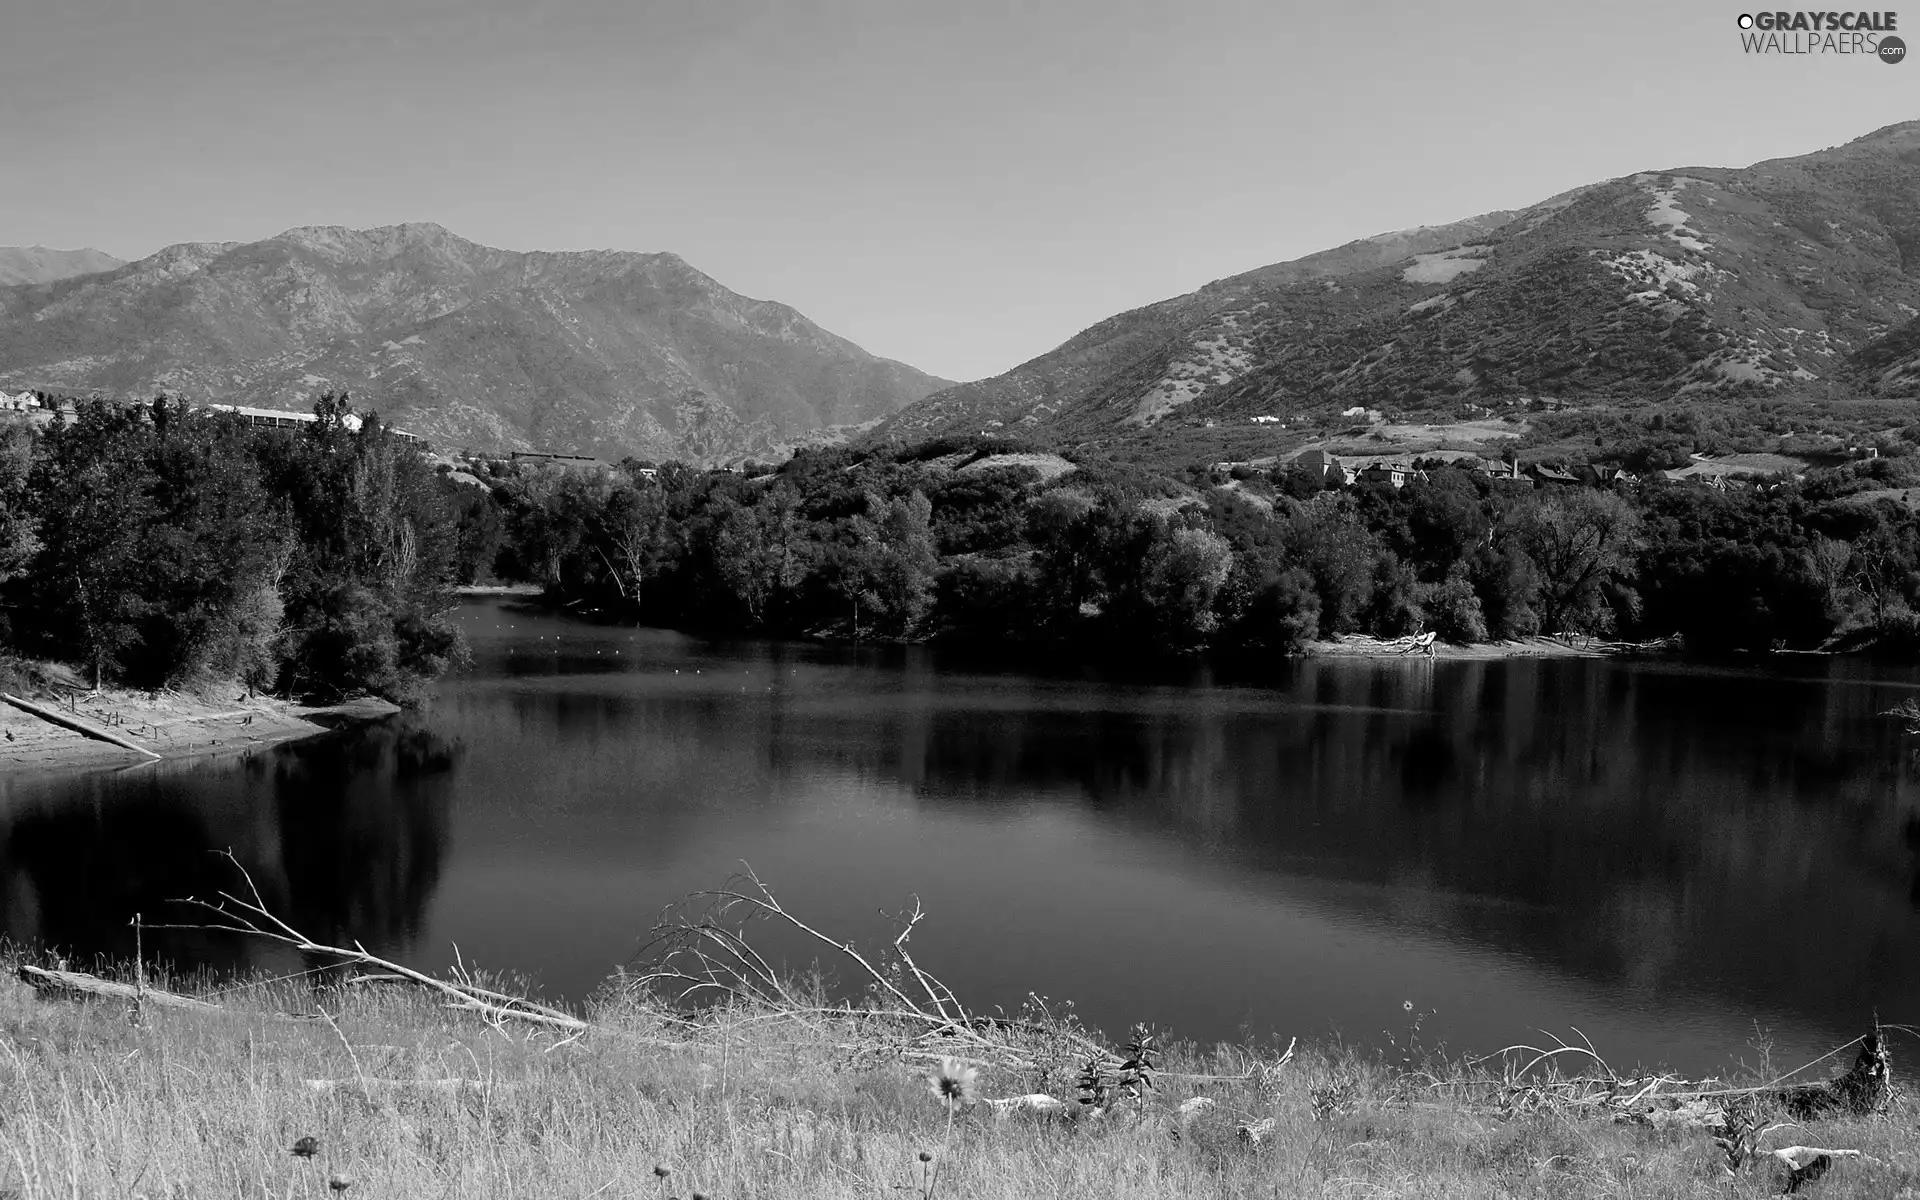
(959, 185)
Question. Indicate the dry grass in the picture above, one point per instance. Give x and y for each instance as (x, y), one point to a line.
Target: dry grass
(753, 1101)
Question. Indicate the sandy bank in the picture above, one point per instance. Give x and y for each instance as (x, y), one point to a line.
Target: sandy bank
(1363, 646)
(169, 724)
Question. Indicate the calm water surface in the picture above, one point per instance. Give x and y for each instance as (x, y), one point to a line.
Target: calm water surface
(1665, 858)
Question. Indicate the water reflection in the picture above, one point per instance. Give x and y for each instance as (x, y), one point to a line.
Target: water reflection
(1662, 827)
(1520, 844)
(344, 836)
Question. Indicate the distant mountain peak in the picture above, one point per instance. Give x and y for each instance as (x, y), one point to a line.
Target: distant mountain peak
(601, 352)
(43, 264)
(383, 241)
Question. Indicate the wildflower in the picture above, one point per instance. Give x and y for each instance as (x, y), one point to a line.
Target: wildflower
(925, 1157)
(1407, 1004)
(338, 1182)
(954, 1083)
(306, 1147)
(662, 1170)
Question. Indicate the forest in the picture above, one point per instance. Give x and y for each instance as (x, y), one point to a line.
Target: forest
(158, 545)
(984, 541)
(166, 545)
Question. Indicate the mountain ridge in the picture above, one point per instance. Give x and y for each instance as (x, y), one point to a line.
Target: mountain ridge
(1796, 274)
(599, 351)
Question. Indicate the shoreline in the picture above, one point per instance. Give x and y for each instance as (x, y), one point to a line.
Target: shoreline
(1351, 645)
(1360, 645)
(170, 726)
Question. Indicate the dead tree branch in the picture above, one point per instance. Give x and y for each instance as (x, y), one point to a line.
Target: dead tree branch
(252, 917)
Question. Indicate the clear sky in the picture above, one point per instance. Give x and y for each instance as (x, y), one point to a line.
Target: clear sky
(960, 184)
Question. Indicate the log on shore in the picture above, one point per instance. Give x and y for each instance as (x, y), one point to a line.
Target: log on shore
(87, 728)
(78, 985)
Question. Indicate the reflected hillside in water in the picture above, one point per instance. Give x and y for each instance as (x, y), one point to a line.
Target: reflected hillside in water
(1650, 825)
(345, 836)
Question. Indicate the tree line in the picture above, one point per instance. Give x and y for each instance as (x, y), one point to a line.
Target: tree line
(977, 540)
(162, 545)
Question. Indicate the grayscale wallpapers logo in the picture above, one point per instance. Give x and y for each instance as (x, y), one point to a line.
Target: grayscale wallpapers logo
(1865, 34)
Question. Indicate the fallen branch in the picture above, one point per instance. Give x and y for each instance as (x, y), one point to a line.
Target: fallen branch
(78, 985)
(699, 951)
(233, 914)
(1531, 1079)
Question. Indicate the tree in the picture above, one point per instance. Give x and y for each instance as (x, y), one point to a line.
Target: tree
(1064, 528)
(633, 525)
(755, 549)
(906, 561)
(1281, 616)
(1180, 577)
(1330, 541)
(18, 539)
(93, 501)
(1579, 542)
(1445, 520)
(1885, 565)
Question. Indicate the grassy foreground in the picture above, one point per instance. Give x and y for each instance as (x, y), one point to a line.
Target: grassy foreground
(419, 1101)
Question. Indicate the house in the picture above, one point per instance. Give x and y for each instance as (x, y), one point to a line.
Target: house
(277, 418)
(1542, 474)
(1324, 467)
(1394, 473)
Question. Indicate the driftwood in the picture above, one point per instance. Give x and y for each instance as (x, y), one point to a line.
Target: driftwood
(78, 985)
(76, 724)
(1805, 1164)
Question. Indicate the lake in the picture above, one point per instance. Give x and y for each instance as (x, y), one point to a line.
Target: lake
(1673, 860)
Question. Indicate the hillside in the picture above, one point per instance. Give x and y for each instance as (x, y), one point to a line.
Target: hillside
(600, 352)
(37, 264)
(1797, 276)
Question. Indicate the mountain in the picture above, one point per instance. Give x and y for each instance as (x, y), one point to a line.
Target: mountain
(593, 352)
(1794, 276)
(37, 264)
